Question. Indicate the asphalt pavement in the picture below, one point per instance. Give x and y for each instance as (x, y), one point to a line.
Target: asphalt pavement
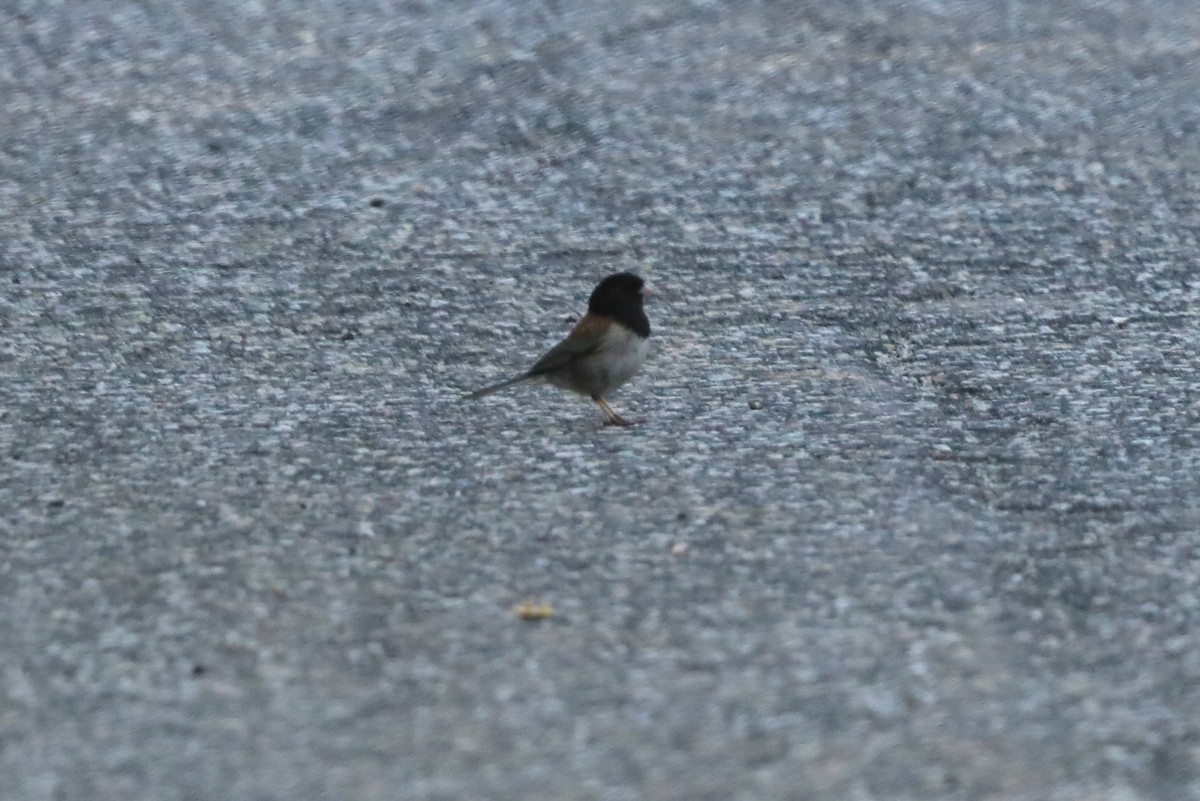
(912, 506)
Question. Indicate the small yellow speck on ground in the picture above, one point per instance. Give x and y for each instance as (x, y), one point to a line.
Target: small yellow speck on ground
(534, 610)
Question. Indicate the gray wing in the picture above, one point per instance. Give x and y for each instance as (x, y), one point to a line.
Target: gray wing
(564, 353)
(558, 357)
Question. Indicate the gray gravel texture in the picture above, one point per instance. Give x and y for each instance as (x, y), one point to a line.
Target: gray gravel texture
(911, 511)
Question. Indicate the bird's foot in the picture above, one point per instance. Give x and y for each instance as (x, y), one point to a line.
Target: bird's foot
(614, 419)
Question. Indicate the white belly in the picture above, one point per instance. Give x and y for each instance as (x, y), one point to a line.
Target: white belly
(624, 353)
(618, 359)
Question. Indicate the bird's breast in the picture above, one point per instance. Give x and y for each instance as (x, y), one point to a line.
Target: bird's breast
(621, 355)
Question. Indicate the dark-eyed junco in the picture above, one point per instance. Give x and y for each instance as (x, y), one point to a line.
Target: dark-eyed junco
(602, 352)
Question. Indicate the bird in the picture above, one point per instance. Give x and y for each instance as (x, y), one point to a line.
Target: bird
(603, 351)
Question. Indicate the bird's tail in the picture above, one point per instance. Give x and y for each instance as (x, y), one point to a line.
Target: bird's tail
(479, 393)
